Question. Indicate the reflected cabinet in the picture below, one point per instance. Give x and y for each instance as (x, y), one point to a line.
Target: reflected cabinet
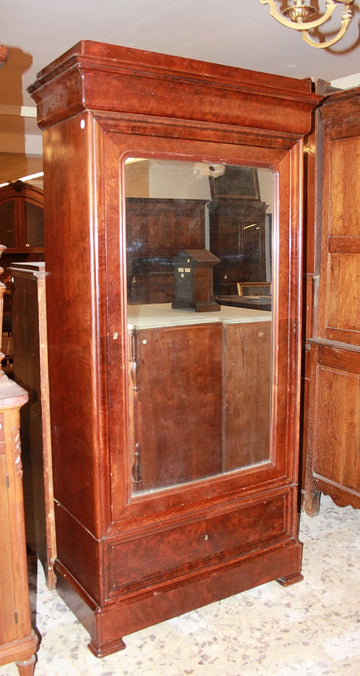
(172, 186)
(21, 218)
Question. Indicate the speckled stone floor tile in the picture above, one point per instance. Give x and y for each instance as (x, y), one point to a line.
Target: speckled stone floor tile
(311, 628)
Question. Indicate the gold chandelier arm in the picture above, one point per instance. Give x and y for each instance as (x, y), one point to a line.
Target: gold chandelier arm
(345, 20)
(306, 26)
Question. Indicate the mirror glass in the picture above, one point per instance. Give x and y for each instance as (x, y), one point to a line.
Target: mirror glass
(199, 314)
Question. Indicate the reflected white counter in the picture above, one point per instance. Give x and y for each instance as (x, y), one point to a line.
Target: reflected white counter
(160, 315)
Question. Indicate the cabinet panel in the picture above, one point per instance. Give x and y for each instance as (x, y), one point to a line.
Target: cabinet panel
(333, 449)
(34, 225)
(338, 428)
(339, 295)
(247, 384)
(344, 210)
(343, 295)
(178, 383)
(7, 225)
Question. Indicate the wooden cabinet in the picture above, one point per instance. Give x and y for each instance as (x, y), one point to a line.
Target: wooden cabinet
(17, 640)
(332, 453)
(21, 218)
(127, 558)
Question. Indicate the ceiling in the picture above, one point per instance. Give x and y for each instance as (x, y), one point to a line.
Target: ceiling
(233, 32)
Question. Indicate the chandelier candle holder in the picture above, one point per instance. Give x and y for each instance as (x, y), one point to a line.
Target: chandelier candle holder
(299, 17)
(4, 55)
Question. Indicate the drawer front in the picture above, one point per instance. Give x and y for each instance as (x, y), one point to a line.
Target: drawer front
(187, 548)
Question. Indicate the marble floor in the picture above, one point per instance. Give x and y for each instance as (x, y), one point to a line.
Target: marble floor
(311, 628)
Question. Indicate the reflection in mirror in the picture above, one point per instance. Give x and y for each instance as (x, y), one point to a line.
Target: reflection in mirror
(199, 280)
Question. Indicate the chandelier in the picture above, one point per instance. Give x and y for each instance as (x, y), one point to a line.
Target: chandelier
(298, 16)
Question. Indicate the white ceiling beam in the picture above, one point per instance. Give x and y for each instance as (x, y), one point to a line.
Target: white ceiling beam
(18, 111)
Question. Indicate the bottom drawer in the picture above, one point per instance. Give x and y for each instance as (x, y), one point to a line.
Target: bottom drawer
(154, 557)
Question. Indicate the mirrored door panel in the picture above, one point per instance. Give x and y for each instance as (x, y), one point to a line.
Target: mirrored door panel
(199, 290)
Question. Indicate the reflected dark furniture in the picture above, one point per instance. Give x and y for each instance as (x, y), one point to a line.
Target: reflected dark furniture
(126, 561)
(21, 221)
(22, 232)
(237, 235)
(256, 296)
(236, 183)
(254, 303)
(156, 230)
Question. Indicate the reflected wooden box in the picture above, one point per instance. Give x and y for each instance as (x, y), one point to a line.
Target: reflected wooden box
(193, 270)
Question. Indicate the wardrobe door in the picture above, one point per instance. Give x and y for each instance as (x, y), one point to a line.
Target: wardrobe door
(333, 446)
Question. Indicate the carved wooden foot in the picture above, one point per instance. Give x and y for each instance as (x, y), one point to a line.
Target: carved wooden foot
(290, 579)
(26, 667)
(106, 648)
(312, 502)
